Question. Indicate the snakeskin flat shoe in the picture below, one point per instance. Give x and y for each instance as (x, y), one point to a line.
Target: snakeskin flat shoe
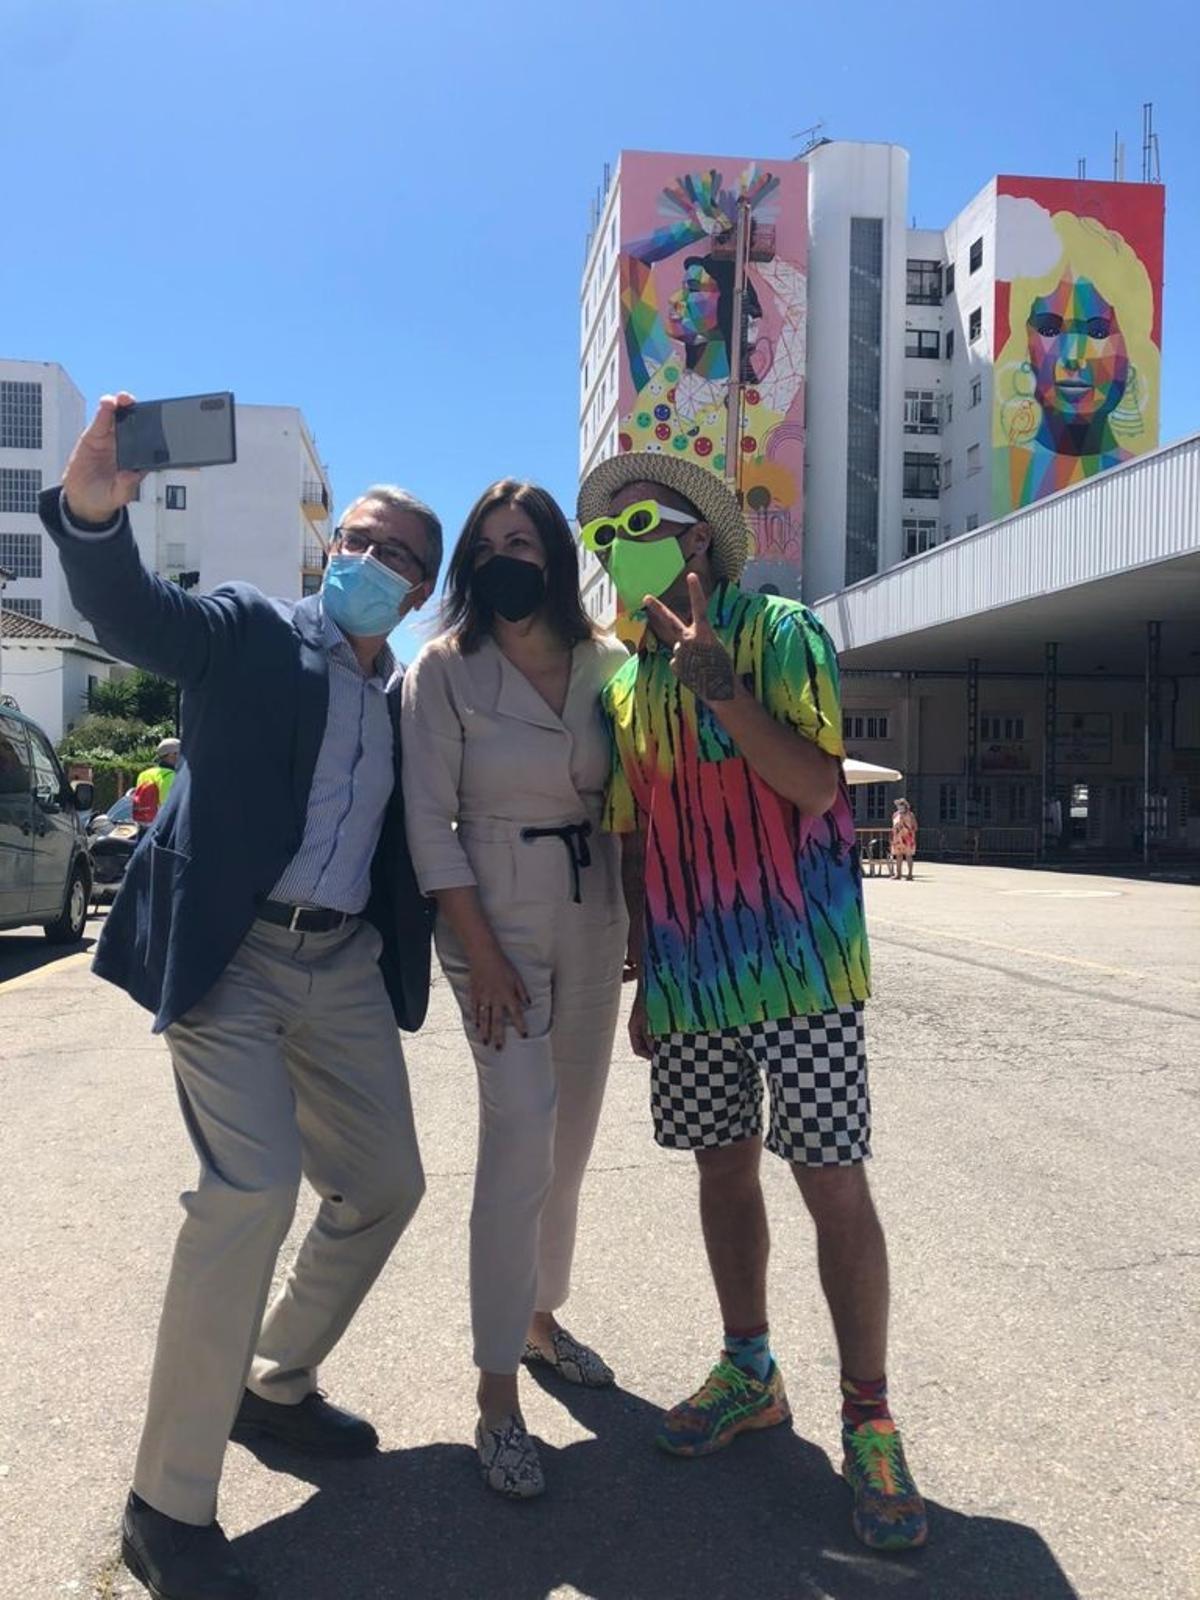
(571, 1360)
(508, 1459)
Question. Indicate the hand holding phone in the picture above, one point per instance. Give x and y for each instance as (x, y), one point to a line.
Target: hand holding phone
(95, 487)
(125, 440)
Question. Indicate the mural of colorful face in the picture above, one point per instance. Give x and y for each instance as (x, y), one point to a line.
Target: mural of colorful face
(694, 314)
(1078, 354)
(1077, 330)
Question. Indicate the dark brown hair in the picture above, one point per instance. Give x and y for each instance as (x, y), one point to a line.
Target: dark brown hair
(467, 620)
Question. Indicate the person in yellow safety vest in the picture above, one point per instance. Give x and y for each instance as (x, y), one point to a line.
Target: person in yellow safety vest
(154, 784)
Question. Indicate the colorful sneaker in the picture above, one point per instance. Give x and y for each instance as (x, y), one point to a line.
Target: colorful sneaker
(728, 1402)
(889, 1513)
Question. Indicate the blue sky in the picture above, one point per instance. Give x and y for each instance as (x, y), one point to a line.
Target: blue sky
(377, 211)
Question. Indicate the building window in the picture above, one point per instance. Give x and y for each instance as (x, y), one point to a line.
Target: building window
(25, 608)
(920, 411)
(310, 583)
(920, 535)
(973, 462)
(922, 342)
(948, 802)
(996, 726)
(947, 409)
(19, 489)
(877, 806)
(920, 476)
(20, 416)
(924, 283)
(865, 724)
(950, 279)
(947, 477)
(176, 497)
(21, 553)
(972, 521)
(975, 325)
(865, 301)
(976, 255)
(949, 344)
(1018, 803)
(976, 391)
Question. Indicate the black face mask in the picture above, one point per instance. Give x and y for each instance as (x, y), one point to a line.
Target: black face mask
(515, 589)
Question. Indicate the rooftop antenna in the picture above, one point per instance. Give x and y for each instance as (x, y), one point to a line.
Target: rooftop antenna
(1151, 168)
(1081, 167)
(1118, 159)
(810, 136)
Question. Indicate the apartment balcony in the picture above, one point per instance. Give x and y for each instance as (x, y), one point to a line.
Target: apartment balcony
(313, 559)
(314, 500)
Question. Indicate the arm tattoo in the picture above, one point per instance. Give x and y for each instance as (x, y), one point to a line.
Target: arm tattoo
(705, 669)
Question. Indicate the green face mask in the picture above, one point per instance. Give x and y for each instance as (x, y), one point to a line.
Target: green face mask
(640, 567)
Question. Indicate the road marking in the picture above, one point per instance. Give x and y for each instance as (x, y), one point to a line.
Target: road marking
(1037, 955)
(1069, 894)
(64, 963)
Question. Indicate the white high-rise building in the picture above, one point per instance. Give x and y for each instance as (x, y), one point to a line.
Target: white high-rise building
(41, 416)
(265, 519)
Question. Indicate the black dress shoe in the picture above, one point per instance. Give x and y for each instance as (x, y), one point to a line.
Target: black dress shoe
(314, 1427)
(177, 1561)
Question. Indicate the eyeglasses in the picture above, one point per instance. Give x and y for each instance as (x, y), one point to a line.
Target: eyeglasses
(395, 556)
(634, 522)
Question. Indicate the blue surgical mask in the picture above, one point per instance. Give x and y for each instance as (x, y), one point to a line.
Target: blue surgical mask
(362, 596)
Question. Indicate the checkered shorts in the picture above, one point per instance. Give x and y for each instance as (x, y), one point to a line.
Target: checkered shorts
(706, 1089)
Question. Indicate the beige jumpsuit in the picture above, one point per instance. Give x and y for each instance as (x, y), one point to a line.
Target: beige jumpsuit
(486, 760)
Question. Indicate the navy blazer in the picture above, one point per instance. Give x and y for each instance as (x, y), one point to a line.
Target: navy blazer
(255, 693)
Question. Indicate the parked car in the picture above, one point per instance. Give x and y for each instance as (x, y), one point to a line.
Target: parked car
(45, 868)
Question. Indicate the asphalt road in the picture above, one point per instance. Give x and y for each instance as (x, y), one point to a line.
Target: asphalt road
(1034, 1048)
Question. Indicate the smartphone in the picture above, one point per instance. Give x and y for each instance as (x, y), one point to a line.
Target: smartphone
(194, 431)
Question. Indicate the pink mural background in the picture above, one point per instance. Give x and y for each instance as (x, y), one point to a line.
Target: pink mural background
(678, 214)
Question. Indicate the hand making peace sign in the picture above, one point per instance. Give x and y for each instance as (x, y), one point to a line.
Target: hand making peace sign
(699, 660)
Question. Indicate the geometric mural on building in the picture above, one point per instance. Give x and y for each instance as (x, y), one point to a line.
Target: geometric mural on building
(1077, 332)
(678, 216)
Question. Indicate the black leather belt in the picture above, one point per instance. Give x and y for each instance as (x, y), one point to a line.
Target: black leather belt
(575, 836)
(302, 919)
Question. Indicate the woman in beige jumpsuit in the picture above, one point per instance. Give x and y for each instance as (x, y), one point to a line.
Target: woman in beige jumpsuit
(505, 763)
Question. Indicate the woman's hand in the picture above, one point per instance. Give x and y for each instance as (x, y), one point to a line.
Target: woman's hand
(498, 996)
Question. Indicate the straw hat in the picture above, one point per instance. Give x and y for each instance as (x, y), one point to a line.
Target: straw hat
(732, 543)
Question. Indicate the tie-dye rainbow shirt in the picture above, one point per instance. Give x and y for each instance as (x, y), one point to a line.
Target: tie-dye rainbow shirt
(753, 910)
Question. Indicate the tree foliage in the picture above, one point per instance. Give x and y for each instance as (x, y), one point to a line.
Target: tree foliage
(140, 697)
(114, 741)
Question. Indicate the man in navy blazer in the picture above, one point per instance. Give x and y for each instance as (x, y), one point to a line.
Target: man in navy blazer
(271, 922)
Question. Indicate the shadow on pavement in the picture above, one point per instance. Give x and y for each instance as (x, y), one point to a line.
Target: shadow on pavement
(766, 1520)
(27, 951)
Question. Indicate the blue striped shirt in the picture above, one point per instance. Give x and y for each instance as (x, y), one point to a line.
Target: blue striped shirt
(351, 786)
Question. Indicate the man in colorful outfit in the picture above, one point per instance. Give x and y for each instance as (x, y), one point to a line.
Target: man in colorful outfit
(750, 945)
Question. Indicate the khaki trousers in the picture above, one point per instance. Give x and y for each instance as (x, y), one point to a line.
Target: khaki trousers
(291, 1065)
(539, 1104)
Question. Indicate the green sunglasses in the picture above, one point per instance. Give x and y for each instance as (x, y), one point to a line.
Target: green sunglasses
(634, 522)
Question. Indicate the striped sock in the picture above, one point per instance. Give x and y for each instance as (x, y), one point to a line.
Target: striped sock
(750, 1349)
(864, 1400)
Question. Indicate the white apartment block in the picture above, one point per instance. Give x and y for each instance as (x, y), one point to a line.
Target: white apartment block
(600, 342)
(41, 416)
(265, 519)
